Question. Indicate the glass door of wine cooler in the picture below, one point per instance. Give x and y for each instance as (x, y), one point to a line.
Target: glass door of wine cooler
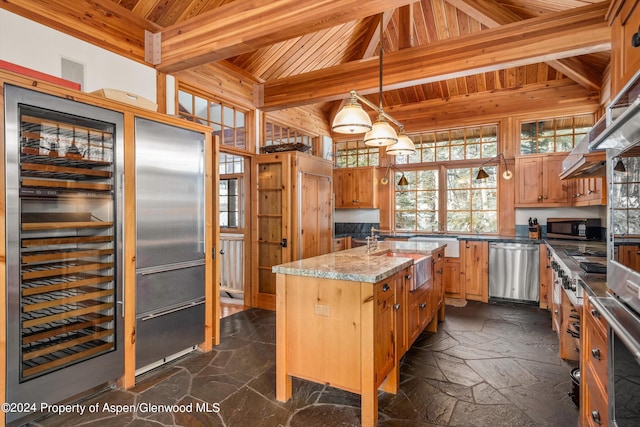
(64, 201)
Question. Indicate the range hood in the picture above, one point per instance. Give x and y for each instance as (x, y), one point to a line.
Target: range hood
(583, 162)
(624, 130)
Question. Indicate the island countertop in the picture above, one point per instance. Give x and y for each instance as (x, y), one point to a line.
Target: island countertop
(358, 264)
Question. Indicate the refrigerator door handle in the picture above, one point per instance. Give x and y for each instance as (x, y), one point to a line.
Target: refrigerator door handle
(169, 267)
(171, 310)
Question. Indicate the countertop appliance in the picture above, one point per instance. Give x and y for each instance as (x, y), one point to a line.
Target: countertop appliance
(170, 246)
(514, 272)
(574, 228)
(64, 208)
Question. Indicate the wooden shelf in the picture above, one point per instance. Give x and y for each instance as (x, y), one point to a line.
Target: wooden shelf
(33, 226)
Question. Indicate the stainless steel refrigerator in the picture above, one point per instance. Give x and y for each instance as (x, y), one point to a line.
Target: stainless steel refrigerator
(64, 204)
(170, 246)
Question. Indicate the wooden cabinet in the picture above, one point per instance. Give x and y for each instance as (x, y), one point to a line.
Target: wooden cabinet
(293, 216)
(340, 333)
(593, 368)
(475, 270)
(438, 288)
(625, 59)
(356, 188)
(341, 243)
(453, 285)
(588, 191)
(538, 182)
(629, 256)
(546, 277)
(420, 310)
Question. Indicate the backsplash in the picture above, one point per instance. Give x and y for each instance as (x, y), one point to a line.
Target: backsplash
(355, 229)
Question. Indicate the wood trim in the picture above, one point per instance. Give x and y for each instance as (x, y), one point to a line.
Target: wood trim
(128, 379)
(3, 268)
(574, 32)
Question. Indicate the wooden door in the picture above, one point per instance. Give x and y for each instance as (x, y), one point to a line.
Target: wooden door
(453, 285)
(272, 239)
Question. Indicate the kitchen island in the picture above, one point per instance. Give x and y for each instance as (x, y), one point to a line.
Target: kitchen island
(345, 319)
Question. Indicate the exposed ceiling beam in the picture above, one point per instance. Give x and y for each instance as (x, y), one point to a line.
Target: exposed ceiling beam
(99, 22)
(492, 14)
(555, 97)
(244, 26)
(550, 37)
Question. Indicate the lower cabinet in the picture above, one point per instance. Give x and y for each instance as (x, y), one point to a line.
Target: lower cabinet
(438, 285)
(475, 271)
(453, 286)
(420, 310)
(593, 368)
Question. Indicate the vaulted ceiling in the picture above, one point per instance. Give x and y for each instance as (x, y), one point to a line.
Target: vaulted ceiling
(305, 52)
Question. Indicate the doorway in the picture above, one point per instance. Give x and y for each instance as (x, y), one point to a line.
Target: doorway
(234, 251)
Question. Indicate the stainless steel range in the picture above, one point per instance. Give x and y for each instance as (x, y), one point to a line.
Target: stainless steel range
(570, 266)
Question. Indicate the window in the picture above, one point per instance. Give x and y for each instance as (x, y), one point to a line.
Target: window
(477, 142)
(443, 196)
(553, 135)
(625, 198)
(228, 122)
(230, 192)
(351, 154)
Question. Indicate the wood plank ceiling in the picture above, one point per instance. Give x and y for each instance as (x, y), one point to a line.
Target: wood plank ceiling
(293, 46)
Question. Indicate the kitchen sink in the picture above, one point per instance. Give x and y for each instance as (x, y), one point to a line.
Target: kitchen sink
(422, 267)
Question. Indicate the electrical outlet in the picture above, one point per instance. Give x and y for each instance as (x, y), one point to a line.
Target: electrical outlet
(322, 310)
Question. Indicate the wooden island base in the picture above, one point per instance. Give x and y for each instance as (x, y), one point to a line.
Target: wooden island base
(346, 332)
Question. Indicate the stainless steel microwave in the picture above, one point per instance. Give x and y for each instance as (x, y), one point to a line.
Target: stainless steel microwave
(574, 228)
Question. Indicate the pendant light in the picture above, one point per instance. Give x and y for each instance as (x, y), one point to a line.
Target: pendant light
(402, 182)
(404, 146)
(352, 119)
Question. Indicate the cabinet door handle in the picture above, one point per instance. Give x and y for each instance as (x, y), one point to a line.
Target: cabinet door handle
(595, 313)
(439, 271)
(385, 287)
(595, 352)
(595, 416)
(408, 277)
(396, 306)
(422, 305)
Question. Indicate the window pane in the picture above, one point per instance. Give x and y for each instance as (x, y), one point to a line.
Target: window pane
(405, 221)
(229, 115)
(459, 222)
(484, 200)
(485, 222)
(185, 101)
(201, 107)
(215, 111)
(458, 199)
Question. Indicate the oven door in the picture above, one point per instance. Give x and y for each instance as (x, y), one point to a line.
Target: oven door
(624, 362)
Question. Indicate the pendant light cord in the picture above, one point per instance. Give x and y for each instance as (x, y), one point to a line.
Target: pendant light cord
(381, 51)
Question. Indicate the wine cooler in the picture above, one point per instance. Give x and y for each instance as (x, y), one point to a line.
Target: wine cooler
(64, 264)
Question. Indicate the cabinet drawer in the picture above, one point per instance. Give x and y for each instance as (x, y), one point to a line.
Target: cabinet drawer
(595, 413)
(384, 291)
(596, 353)
(592, 312)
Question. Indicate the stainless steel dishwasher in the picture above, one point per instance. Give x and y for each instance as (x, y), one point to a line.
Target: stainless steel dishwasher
(514, 272)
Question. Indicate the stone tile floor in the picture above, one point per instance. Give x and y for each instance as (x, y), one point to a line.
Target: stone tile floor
(488, 365)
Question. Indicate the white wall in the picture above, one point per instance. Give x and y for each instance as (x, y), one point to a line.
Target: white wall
(29, 44)
(523, 214)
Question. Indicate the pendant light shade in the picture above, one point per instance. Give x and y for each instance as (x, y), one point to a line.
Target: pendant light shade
(403, 181)
(352, 119)
(381, 134)
(404, 147)
(482, 174)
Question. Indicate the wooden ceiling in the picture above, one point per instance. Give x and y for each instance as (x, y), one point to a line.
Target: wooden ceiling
(304, 52)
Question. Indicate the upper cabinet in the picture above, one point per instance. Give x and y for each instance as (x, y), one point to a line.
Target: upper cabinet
(355, 188)
(624, 17)
(538, 182)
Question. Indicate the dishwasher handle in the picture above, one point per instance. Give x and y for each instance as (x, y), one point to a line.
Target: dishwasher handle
(518, 246)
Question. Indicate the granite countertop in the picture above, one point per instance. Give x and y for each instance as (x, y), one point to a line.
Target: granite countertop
(357, 264)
